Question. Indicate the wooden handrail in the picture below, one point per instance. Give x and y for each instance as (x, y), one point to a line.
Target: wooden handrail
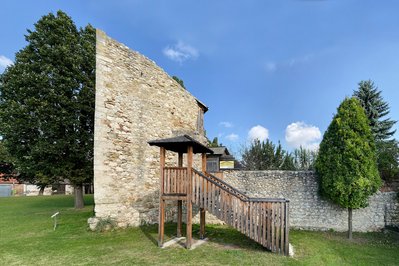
(223, 185)
(175, 168)
(268, 200)
(265, 220)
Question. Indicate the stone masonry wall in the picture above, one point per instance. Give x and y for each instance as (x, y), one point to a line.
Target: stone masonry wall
(307, 209)
(136, 101)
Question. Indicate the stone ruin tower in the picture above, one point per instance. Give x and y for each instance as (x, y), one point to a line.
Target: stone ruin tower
(136, 101)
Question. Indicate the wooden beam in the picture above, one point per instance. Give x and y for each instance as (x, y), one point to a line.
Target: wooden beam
(189, 197)
(174, 197)
(179, 217)
(204, 162)
(179, 202)
(161, 223)
(162, 166)
(287, 229)
(202, 223)
(180, 160)
(161, 201)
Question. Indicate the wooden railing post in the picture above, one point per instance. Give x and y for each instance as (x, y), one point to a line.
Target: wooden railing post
(189, 196)
(180, 160)
(179, 217)
(202, 210)
(202, 223)
(287, 228)
(179, 202)
(203, 162)
(161, 201)
(265, 220)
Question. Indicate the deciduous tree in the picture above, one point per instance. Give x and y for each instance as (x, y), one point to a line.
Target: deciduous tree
(388, 159)
(47, 103)
(6, 162)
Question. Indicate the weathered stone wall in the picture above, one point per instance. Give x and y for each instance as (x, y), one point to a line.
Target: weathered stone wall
(136, 101)
(307, 209)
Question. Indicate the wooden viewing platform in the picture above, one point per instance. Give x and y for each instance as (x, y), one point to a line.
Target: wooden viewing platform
(264, 220)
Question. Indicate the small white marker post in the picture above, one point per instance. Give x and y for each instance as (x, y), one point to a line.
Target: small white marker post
(54, 216)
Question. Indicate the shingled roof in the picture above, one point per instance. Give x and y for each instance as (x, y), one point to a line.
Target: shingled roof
(221, 150)
(180, 144)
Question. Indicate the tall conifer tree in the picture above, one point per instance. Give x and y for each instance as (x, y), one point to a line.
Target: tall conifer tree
(376, 110)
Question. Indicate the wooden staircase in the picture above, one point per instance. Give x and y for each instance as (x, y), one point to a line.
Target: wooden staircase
(265, 220)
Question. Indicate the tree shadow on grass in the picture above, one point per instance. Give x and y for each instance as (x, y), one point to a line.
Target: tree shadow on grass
(57, 201)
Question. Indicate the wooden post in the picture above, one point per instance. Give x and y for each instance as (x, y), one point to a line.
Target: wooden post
(162, 163)
(204, 162)
(179, 217)
(202, 223)
(161, 222)
(161, 201)
(287, 228)
(202, 210)
(179, 202)
(180, 160)
(189, 191)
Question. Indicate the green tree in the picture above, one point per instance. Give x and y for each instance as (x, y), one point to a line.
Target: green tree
(279, 156)
(47, 103)
(288, 163)
(214, 143)
(347, 164)
(6, 162)
(388, 159)
(265, 156)
(304, 159)
(376, 109)
(180, 81)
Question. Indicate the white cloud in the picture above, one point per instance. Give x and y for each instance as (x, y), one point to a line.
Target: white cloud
(5, 62)
(300, 60)
(270, 66)
(273, 66)
(313, 146)
(180, 52)
(300, 134)
(226, 124)
(258, 132)
(232, 137)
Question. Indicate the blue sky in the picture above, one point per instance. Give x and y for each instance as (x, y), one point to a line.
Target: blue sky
(275, 69)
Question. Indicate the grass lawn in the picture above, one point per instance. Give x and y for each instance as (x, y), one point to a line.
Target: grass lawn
(27, 238)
